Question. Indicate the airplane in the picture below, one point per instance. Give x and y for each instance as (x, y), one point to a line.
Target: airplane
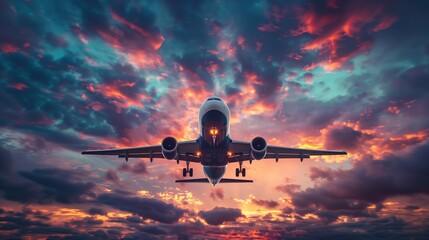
(214, 148)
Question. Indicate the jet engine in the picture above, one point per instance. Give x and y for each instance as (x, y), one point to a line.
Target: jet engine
(258, 145)
(169, 148)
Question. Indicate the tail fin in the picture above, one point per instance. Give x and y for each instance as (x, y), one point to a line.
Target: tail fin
(205, 180)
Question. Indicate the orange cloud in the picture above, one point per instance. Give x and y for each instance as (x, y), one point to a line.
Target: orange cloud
(155, 40)
(331, 27)
(118, 98)
(144, 59)
(226, 48)
(258, 108)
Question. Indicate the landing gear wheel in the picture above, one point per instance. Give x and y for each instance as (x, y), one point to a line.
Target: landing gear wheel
(184, 172)
(243, 172)
(191, 172)
(237, 172)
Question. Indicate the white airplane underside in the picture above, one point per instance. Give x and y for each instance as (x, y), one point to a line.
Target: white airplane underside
(214, 148)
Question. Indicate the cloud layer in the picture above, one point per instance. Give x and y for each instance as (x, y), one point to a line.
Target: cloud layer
(317, 74)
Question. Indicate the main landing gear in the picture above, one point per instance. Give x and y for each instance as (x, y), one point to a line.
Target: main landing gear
(188, 170)
(240, 170)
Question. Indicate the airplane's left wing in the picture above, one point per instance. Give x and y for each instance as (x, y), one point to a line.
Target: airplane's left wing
(185, 150)
(242, 152)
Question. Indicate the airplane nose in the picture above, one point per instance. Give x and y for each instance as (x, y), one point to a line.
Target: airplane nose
(213, 181)
(214, 173)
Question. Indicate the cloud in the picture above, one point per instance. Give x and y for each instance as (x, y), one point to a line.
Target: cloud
(87, 222)
(305, 74)
(343, 138)
(351, 192)
(112, 176)
(265, 203)
(6, 160)
(288, 188)
(147, 208)
(137, 168)
(96, 211)
(340, 33)
(16, 224)
(217, 193)
(220, 215)
(45, 186)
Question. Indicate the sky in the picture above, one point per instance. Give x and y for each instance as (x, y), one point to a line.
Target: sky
(346, 75)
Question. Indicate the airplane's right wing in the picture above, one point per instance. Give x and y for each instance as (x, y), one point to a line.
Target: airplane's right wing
(242, 152)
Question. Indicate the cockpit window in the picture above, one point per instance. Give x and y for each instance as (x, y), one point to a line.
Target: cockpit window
(214, 98)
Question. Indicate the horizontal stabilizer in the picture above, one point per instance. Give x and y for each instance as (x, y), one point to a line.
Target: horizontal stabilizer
(195, 180)
(232, 180)
(205, 180)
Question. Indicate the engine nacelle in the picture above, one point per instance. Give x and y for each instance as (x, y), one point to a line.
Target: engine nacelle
(169, 148)
(258, 145)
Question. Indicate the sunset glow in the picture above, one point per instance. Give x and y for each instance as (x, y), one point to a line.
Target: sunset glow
(341, 75)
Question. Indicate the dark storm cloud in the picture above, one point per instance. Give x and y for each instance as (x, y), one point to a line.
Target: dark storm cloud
(87, 222)
(145, 207)
(343, 138)
(112, 176)
(96, 211)
(411, 207)
(137, 168)
(317, 173)
(405, 89)
(6, 160)
(407, 85)
(56, 41)
(46, 186)
(89, 235)
(265, 203)
(63, 190)
(19, 31)
(288, 188)
(390, 227)
(94, 16)
(17, 224)
(189, 15)
(154, 230)
(220, 215)
(217, 193)
(311, 116)
(350, 192)
(19, 220)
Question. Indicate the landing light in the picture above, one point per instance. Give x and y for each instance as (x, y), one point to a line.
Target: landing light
(229, 153)
(213, 131)
(198, 154)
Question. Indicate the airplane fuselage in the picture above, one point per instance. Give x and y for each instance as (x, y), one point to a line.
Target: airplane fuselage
(213, 126)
